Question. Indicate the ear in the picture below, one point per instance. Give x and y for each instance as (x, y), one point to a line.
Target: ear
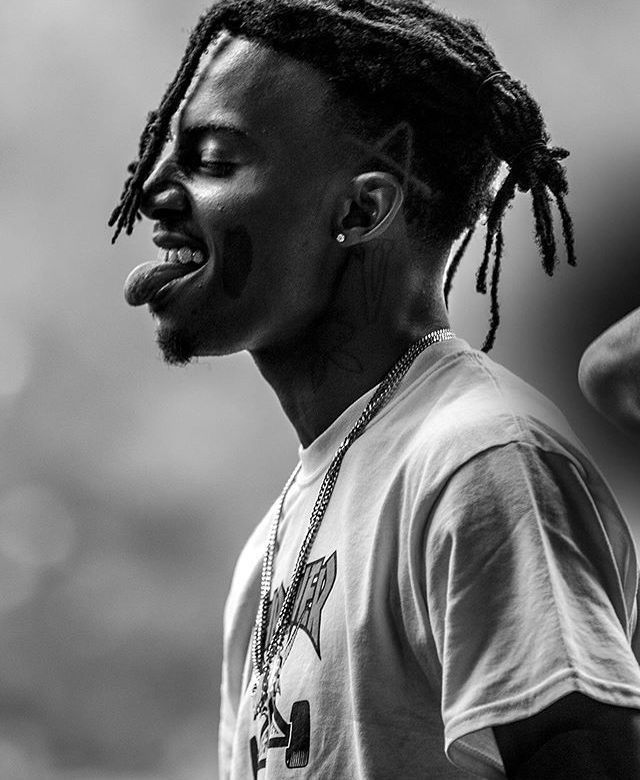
(373, 201)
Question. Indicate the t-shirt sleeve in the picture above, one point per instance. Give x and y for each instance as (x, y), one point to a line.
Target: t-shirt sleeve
(525, 598)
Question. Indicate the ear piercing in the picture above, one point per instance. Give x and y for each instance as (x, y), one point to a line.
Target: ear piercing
(340, 238)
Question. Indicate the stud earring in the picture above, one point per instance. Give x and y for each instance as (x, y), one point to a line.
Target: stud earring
(340, 238)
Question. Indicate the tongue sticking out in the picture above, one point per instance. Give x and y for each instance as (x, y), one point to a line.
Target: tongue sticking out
(145, 281)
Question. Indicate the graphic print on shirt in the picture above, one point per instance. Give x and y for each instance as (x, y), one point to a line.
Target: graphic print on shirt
(275, 730)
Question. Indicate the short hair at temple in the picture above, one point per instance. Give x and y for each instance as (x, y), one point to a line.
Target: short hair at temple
(425, 91)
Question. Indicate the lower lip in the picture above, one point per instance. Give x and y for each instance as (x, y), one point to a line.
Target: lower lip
(163, 297)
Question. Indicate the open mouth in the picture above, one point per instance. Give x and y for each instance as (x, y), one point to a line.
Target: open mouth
(184, 256)
(147, 281)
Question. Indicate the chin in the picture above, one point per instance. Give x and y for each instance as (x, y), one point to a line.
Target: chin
(180, 345)
(177, 345)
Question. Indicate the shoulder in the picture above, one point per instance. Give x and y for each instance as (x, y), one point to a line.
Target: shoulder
(467, 404)
(609, 373)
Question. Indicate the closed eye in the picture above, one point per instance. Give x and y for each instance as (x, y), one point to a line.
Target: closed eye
(213, 150)
(217, 168)
(196, 161)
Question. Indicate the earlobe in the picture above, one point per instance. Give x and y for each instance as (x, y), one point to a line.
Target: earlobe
(376, 199)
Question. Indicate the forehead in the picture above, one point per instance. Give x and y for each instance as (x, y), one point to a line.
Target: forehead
(274, 99)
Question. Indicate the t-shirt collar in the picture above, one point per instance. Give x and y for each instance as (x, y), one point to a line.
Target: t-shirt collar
(316, 456)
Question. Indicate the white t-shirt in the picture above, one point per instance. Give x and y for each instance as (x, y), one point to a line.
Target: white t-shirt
(472, 568)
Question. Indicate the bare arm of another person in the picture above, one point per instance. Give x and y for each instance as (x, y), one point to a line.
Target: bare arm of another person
(609, 374)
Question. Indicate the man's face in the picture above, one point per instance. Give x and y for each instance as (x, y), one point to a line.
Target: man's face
(250, 180)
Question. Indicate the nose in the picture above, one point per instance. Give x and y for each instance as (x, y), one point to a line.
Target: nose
(163, 197)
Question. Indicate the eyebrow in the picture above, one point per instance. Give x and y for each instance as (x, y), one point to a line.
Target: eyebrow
(213, 127)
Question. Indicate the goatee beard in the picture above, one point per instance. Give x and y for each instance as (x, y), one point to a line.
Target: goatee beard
(177, 346)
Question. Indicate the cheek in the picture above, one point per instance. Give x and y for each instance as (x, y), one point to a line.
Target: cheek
(237, 260)
(232, 222)
(261, 228)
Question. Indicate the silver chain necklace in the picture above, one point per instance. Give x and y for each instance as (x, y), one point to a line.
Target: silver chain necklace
(262, 656)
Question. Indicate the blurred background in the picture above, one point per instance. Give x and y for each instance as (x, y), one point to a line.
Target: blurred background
(127, 488)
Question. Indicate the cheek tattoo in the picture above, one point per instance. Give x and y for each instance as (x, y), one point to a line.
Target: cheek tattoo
(237, 259)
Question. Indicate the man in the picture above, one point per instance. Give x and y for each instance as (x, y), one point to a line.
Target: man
(609, 374)
(445, 584)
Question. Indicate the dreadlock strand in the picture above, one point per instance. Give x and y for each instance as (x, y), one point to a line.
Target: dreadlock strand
(199, 39)
(481, 274)
(544, 226)
(156, 130)
(121, 215)
(503, 197)
(494, 320)
(557, 183)
(567, 229)
(455, 262)
(519, 136)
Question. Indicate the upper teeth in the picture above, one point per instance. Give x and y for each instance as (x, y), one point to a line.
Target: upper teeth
(182, 255)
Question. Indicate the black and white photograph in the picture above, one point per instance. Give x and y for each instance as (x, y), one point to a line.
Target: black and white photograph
(319, 390)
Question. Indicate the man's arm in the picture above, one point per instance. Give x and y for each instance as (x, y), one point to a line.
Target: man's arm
(574, 737)
(609, 374)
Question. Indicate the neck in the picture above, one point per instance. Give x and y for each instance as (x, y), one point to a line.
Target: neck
(381, 305)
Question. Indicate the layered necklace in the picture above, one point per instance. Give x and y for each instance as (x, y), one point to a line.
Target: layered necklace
(266, 674)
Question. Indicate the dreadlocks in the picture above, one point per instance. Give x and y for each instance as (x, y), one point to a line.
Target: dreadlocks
(401, 63)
